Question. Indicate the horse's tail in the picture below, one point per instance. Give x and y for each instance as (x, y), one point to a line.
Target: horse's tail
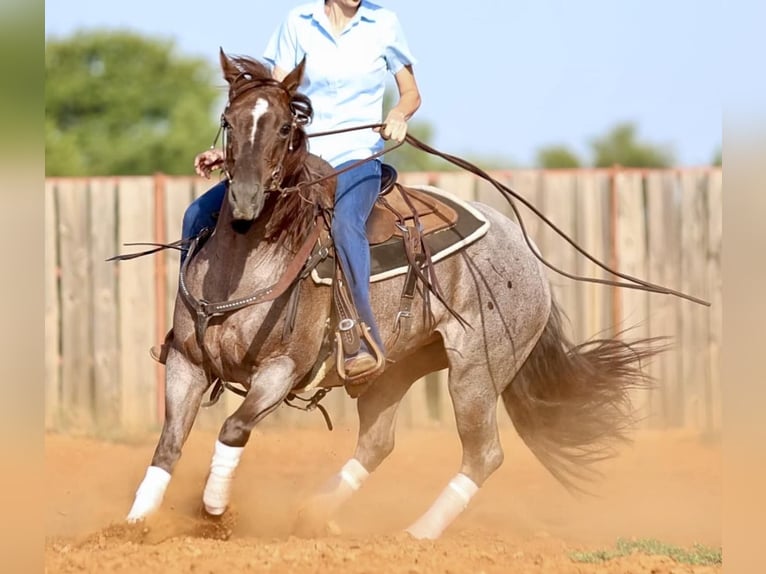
(571, 403)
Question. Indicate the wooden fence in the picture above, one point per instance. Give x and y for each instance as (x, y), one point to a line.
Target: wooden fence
(101, 318)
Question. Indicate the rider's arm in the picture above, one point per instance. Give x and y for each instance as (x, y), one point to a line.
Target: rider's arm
(408, 104)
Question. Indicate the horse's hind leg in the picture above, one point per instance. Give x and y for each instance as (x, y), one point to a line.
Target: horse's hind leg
(475, 402)
(185, 384)
(377, 408)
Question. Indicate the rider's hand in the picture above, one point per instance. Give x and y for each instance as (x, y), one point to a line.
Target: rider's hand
(395, 126)
(207, 161)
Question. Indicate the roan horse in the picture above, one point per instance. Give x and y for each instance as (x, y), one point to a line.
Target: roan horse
(569, 403)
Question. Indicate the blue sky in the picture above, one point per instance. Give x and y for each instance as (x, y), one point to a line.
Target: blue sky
(503, 77)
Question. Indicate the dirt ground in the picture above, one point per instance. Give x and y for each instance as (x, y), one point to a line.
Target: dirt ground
(666, 486)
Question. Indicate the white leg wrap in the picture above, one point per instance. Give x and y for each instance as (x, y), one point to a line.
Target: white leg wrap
(338, 489)
(353, 474)
(451, 502)
(218, 488)
(149, 494)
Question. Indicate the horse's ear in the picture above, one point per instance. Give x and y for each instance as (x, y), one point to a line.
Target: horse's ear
(294, 78)
(230, 71)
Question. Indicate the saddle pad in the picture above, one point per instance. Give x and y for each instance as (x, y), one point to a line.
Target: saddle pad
(388, 259)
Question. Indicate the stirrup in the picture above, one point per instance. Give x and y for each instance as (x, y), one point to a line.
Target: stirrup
(363, 377)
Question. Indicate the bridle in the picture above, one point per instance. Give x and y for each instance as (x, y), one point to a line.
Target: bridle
(301, 113)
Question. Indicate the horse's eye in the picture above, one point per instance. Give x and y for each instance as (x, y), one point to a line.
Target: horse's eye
(284, 131)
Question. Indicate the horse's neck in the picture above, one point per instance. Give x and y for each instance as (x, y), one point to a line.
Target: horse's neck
(243, 261)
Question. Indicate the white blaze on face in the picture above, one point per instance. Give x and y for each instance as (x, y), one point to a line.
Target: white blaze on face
(259, 109)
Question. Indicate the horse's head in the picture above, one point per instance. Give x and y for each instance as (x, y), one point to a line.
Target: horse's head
(264, 139)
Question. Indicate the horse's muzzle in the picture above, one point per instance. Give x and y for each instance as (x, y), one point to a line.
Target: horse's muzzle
(246, 201)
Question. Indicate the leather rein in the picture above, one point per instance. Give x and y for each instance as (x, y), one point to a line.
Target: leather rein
(509, 194)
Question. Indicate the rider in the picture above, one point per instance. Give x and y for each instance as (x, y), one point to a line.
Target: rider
(349, 45)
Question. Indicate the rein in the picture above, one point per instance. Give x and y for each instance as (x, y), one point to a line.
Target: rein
(509, 195)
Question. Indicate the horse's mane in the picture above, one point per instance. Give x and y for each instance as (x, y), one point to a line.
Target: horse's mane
(293, 213)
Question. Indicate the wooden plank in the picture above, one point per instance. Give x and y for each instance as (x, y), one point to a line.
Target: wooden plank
(592, 215)
(137, 306)
(489, 195)
(178, 195)
(415, 178)
(459, 183)
(694, 324)
(558, 199)
(664, 259)
(713, 422)
(76, 374)
(52, 311)
(528, 184)
(631, 248)
(105, 343)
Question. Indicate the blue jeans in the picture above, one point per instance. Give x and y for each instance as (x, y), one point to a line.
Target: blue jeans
(199, 214)
(355, 197)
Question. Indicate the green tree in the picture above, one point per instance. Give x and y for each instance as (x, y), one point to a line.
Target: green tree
(118, 103)
(557, 156)
(620, 146)
(718, 157)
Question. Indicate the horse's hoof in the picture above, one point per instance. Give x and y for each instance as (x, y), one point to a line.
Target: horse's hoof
(214, 511)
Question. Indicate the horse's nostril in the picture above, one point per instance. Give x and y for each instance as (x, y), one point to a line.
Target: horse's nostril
(241, 225)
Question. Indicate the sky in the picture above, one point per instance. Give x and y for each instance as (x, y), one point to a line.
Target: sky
(499, 78)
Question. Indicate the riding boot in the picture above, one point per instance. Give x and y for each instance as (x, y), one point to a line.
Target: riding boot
(360, 363)
(160, 354)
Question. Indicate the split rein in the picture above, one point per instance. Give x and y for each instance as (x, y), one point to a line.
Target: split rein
(630, 282)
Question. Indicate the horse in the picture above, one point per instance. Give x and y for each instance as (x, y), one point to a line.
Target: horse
(496, 327)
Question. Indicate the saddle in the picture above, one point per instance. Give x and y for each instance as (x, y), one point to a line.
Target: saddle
(394, 210)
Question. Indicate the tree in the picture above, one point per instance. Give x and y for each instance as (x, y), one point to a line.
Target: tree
(118, 103)
(718, 158)
(621, 147)
(557, 156)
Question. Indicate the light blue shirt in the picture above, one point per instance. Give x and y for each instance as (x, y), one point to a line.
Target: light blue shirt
(345, 76)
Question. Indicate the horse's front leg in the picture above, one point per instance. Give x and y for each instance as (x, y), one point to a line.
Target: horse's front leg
(185, 385)
(268, 388)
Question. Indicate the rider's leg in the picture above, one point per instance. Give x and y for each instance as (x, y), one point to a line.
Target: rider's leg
(201, 213)
(355, 197)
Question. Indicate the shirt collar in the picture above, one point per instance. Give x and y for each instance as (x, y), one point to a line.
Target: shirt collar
(365, 12)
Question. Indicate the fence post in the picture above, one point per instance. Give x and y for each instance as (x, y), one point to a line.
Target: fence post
(160, 288)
